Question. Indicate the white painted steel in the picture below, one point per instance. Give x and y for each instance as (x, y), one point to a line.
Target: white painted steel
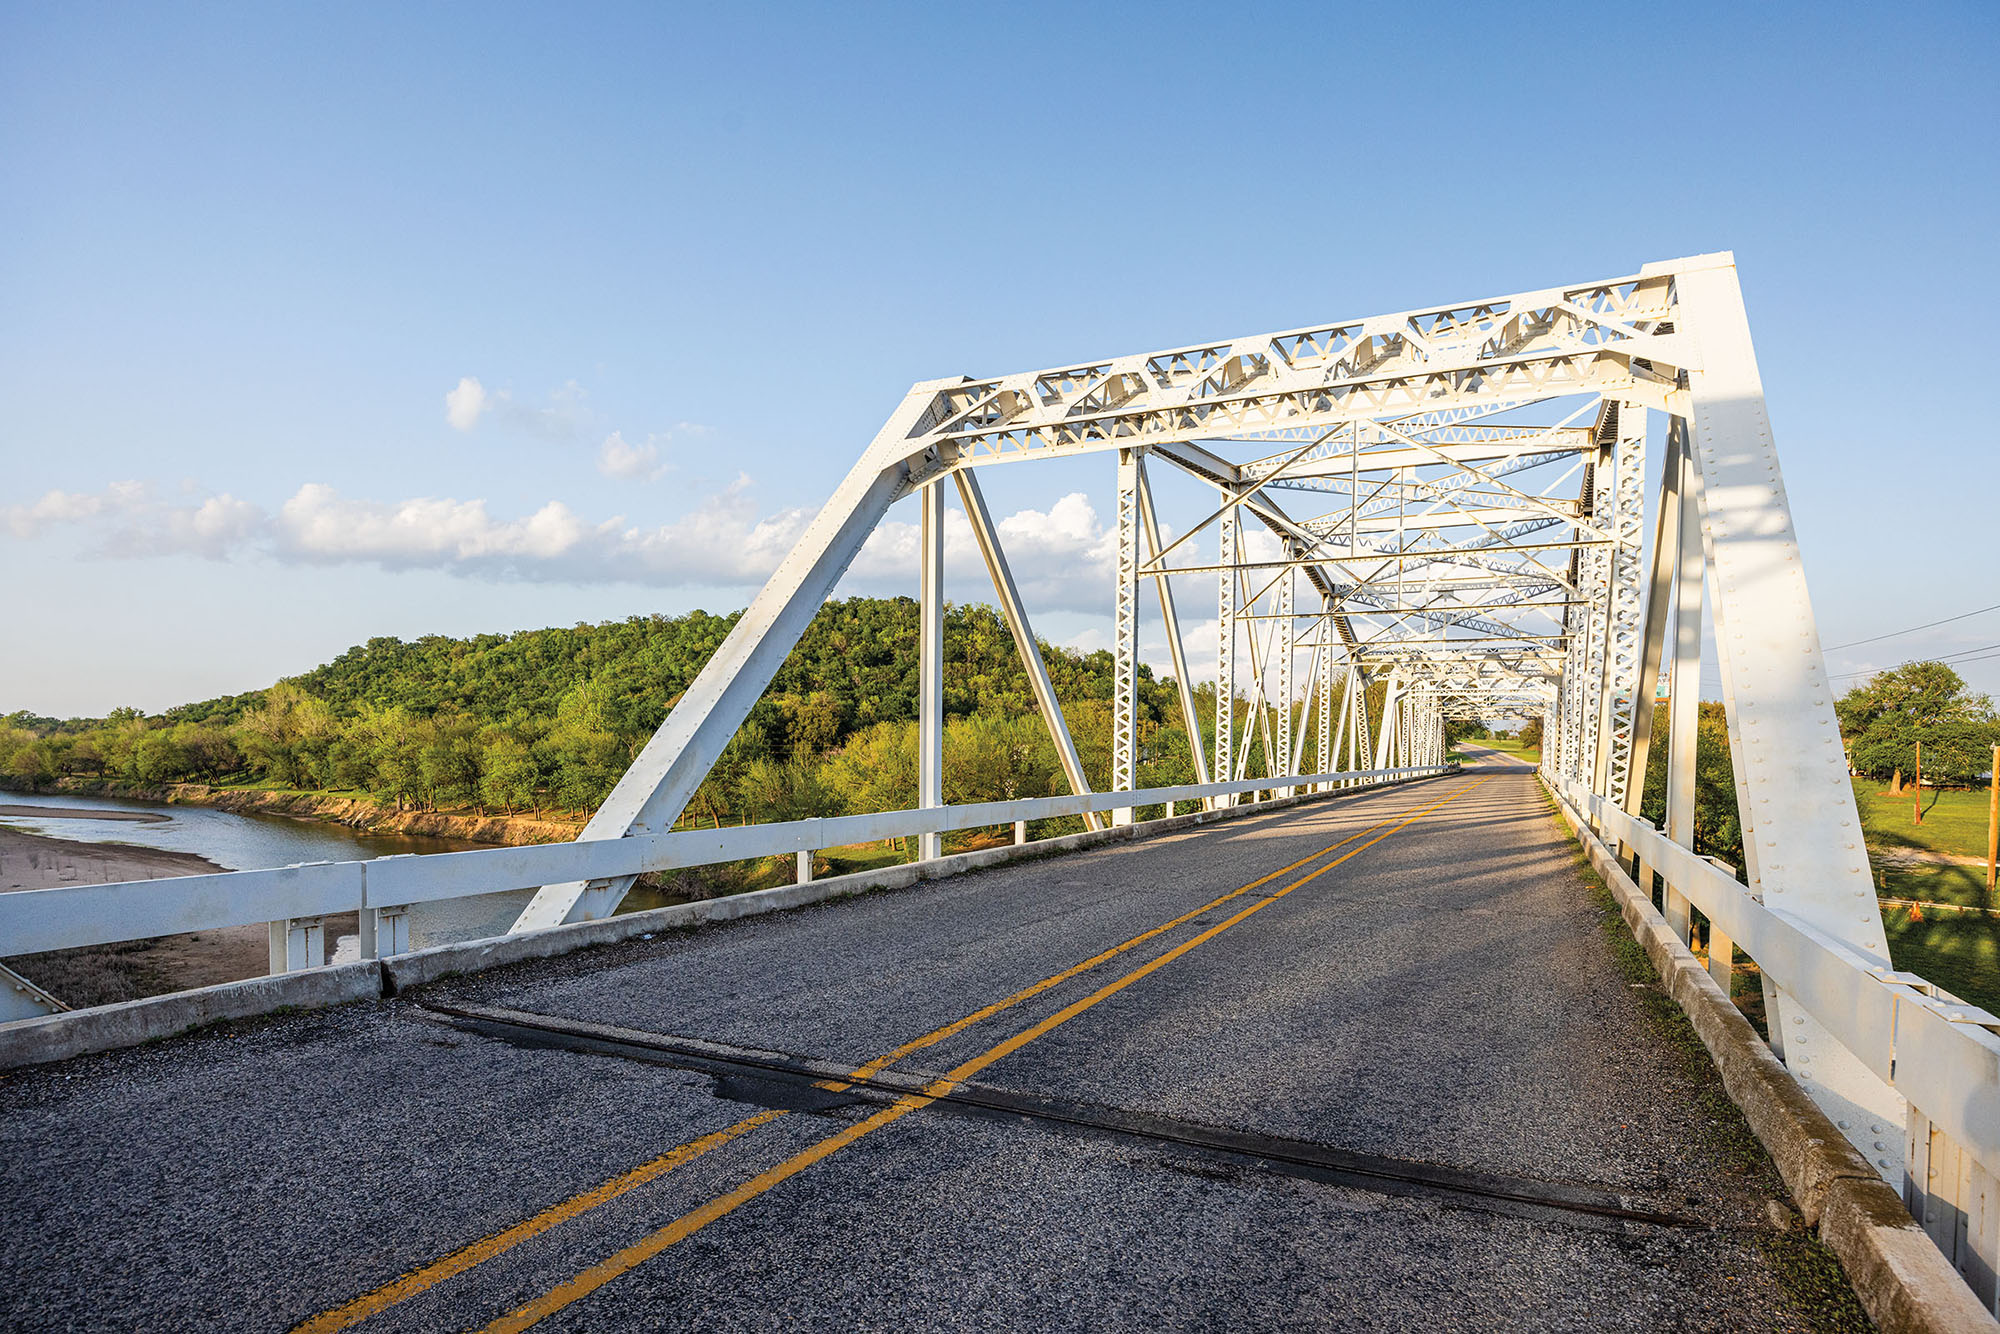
(1125, 637)
(1802, 840)
(33, 920)
(22, 999)
(930, 658)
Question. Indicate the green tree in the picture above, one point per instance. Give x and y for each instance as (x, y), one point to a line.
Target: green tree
(1718, 823)
(288, 736)
(449, 759)
(1884, 718)
(509, 777)
(769, 791)
(876, 770)
(989, 758)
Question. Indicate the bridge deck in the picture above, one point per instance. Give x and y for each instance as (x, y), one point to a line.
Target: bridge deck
(1414, 1090)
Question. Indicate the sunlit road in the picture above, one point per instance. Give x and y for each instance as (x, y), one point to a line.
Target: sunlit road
(1370, 1063)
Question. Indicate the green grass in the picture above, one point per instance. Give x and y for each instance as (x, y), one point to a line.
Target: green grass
(1935, 883)
(1954, 822)
(864, 857)
(1958, 951)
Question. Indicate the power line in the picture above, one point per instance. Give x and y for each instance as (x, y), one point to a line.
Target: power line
(1949, 657)
(1855, 643)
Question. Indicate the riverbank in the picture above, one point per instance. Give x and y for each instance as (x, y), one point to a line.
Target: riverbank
(128, 970)
(355, 812)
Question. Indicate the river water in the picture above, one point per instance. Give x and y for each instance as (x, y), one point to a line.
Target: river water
(256, 842)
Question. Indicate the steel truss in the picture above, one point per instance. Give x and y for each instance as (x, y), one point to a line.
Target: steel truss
(1450, 501)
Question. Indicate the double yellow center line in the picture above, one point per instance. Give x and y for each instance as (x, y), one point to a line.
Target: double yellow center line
(623, 1261)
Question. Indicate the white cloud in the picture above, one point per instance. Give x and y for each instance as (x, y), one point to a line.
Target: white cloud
(58, 507)
(464, 405)
(318, 524)
(130, 519)
(1062, 557)
(628, 462)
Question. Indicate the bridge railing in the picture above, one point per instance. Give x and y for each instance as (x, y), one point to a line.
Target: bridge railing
(293, 900)
(1941, 1054)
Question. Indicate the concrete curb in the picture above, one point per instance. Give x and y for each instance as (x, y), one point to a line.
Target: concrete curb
(58, 1037)
(1904, 1282)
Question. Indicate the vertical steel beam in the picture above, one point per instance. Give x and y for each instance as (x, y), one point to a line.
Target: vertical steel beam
(1359, 746)
(930, 660)
(1323, 762)
(1175, 645)
(299, 942)
(1684, 678)
(1306, 704)
(1802, 844)
(1625, 630)
(1341, 737)
(1281, 762)
(1391, 702)
(1225, 646)
(1125, 639)
(1653, 636)
(1015, 612)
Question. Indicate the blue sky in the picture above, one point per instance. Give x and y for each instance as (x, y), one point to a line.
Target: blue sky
(692, 257)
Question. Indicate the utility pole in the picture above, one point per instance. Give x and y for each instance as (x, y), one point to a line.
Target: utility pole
(1992, 821)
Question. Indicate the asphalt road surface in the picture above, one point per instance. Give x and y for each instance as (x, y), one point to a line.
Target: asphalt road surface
(1370, 1063)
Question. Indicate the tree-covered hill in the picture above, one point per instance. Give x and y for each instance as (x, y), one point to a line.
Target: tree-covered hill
(551, 717)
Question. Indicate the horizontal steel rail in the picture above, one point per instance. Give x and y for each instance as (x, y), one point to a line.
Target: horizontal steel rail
(1939, 1053)
(69, 916)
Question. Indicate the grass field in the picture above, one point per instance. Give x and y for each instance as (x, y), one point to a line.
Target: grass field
(1954, 821)
(1958, 951)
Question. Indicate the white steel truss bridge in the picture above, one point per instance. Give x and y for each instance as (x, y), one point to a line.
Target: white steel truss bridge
(1451, 500)
(1529, 506)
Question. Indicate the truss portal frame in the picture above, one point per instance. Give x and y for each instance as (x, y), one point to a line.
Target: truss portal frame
(1461, 489)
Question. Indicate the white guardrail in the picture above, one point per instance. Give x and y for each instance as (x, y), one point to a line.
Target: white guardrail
(1941, 1054)
(34, 920)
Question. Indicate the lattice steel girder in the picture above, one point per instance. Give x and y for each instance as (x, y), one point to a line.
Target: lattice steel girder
(1374, 525)
(1465, 444)
(1125, 637)
(1513, 348)
(1225, 659)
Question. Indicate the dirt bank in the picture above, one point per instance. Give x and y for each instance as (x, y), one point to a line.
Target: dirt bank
(354, 812)
(80, 813)
(102, 974)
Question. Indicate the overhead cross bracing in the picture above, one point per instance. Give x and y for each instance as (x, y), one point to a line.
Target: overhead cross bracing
(1510, 507)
